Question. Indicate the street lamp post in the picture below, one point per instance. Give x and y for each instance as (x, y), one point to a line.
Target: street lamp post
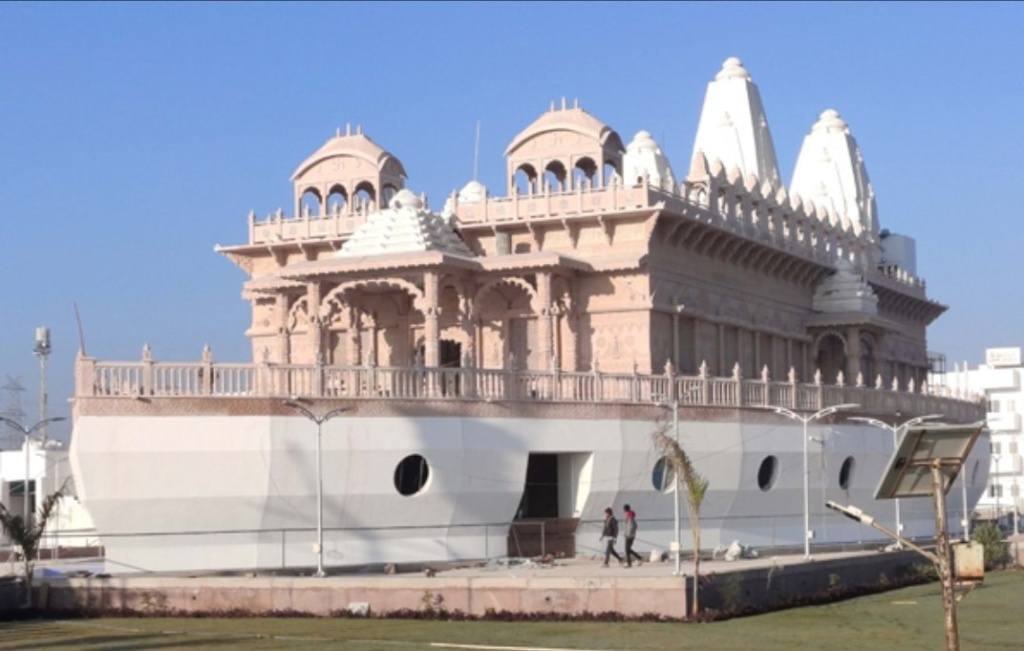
(319, 420)
(997, 487)
(27, 433)
(963, 496)
(821, 413)
(897, 433)
(674, 406)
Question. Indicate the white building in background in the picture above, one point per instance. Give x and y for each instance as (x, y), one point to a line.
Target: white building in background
(1001, 380)
(47, 467)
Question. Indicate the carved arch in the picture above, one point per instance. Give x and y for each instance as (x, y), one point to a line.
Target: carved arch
(298, 315)
(561, 294)
(509, 280)
(334, 298)
(460, 289)
(829, 333)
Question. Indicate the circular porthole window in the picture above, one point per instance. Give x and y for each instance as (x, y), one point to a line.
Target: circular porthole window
(767, 473)
(664, 475)
(411, 474)
(845, 473)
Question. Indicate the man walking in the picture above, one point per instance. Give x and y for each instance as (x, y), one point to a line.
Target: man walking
(630, 535)
(611, 532)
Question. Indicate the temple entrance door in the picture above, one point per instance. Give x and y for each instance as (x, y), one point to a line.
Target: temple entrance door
(544, 522)
(450, 354)
(449, 359)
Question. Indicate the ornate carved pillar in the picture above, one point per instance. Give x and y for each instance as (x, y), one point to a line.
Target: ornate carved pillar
(281, 305)
(878, 360)
(544, 330)
(675, 338)
(479, 354)
(352, 334)
(315, 334)
(852, 353)
(431, 345)
(789, 355)
(758, 360)
(720, 336)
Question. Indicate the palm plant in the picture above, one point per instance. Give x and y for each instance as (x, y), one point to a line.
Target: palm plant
(28, 534)
(695, 489)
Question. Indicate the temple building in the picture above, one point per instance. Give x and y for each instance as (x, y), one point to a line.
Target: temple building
(486, 376)
(594, 256)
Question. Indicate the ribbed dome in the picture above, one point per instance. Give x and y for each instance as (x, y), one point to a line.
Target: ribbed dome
(571, 119)
(355, 145)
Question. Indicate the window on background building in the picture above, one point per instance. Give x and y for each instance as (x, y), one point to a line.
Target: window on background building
(993, 405)
(996, 447)
(995, 490)
(1011, 406)
(1015, 491)
(1013, 447)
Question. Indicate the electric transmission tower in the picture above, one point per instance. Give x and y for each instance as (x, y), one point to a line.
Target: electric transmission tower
(12, 409)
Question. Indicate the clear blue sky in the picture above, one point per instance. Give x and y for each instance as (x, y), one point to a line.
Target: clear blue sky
(134, 137)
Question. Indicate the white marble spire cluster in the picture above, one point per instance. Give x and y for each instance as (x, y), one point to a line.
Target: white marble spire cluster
(829, 173)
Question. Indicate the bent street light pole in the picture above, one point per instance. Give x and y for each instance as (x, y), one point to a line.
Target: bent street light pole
(821, 413)
(678, 487)
(319, 420)
(897, 433)
(674, 406)
(27, 433)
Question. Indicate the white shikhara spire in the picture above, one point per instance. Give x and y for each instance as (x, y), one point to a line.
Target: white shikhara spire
(644, 157)
(405, 226)
(830, 172)
(733, 127)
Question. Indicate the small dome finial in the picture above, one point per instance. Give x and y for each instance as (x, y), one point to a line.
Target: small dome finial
(732, 69)
(830, 120)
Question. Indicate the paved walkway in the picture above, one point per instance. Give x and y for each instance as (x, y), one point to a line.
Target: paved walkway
(583, 566)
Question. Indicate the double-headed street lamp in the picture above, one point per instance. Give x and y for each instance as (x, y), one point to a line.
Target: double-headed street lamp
(998, 490)
(821, 413)
(897, 433)
(27, 433)
(319, 420)
(674, 406)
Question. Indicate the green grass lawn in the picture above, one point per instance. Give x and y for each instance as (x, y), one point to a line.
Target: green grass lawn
(904, 620)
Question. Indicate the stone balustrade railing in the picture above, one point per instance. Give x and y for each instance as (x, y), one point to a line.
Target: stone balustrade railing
(207, 379)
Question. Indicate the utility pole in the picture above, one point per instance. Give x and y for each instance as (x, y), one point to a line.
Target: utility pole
(42, 350)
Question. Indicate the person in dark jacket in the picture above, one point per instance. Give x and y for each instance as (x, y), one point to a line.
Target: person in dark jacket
(611, 533)
(629, 526)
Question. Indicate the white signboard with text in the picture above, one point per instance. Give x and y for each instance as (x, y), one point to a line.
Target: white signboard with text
(996, 357)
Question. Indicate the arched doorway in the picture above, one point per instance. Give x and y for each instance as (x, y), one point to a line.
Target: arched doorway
(450, 361)
(831, 356)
